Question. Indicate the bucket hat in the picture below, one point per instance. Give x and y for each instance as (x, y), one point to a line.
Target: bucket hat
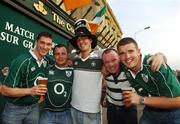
(82, 29)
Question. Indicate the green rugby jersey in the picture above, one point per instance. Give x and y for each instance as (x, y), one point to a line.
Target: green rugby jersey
(24, 71)
(159, 83)
(58, 96)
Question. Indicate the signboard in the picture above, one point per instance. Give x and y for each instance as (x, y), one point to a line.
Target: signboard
(48, 14)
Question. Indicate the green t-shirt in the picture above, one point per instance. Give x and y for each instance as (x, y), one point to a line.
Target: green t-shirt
(24, 71)
(58, 96)
(159, 83)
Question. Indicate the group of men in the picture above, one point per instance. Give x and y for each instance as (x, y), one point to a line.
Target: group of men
(73, 95)
(159, 89)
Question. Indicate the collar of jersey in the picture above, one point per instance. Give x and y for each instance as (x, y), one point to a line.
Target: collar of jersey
(35, 57)
(60, 68)
(92, 54)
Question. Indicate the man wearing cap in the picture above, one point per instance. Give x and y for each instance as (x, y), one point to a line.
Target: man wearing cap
(86, 91)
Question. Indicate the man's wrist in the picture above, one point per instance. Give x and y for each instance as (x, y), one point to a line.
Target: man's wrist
(142, 100)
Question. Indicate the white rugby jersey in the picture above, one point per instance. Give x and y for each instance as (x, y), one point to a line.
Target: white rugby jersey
(86, 91)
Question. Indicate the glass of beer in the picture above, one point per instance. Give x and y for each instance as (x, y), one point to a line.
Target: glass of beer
(127, 90)
(44, 81)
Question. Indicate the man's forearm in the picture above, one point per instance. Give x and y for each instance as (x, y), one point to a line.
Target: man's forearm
(162, 102)
(15, 92)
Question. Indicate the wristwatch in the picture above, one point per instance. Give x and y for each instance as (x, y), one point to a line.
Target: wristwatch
(142, 100)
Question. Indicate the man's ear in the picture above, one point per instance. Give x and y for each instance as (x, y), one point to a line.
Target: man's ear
(139, 51)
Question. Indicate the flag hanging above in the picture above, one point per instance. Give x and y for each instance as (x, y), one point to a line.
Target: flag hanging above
(72, 4)
(99, 16)
(97, 20)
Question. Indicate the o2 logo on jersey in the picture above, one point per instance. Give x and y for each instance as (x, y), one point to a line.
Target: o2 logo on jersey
(68, 73)
(59, 92)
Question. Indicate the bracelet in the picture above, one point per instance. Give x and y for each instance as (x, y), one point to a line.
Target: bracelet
(142, 100)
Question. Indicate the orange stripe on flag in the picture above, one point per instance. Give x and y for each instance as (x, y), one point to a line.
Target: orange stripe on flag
(72, 4)
(93, 26)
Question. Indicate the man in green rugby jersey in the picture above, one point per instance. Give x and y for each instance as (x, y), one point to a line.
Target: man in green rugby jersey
(59, 89)
(20, 87)
(151, 85)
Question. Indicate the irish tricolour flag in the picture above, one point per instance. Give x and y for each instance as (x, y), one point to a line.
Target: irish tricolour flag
(97, 20)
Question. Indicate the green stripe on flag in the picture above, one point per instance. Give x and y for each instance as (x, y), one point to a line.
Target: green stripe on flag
(101, 12)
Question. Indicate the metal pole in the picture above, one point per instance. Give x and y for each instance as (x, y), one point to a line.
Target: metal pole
(141, 31)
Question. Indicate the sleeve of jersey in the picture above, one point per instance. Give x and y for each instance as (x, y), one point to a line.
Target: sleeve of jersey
(166, 80)
(168, 83)
(16, 72)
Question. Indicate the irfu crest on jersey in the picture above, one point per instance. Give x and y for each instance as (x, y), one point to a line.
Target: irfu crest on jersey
(93, 64)
(75, 63)
(68, 73)
(145, 78)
